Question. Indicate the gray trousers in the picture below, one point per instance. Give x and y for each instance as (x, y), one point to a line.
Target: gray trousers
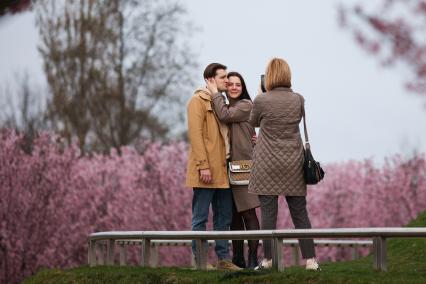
(299, 216)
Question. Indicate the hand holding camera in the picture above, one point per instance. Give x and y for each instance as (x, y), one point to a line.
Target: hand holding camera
(262, 83)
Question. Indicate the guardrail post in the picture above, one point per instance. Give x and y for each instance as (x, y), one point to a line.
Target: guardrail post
(295, 253)
(110, 252)
(192, 260)
(101, 253)
(201, 254)
(375, 253)
(355, 254)
(380, 253)
(384, 255)
(92, 253)
(146, 253)
(154, 259)
(123, 254)
(277, 254)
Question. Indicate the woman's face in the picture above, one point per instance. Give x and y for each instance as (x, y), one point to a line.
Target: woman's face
(234, 88)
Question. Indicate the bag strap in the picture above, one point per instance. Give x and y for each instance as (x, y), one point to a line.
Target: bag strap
(305, 129)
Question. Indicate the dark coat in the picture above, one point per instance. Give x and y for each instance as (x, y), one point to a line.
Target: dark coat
(236, 115)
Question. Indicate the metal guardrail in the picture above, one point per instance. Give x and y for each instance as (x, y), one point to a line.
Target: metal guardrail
(379, 236)
(354, 245)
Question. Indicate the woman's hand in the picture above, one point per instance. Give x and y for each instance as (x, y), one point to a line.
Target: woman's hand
(254, 139)
(259, 91)
(211, 85)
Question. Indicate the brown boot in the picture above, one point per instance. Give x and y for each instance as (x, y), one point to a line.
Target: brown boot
(225, 264)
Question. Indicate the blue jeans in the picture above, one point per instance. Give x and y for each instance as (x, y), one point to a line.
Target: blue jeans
(221, 201)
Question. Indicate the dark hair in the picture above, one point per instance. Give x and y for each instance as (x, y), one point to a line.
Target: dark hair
(211, 69)
(244, 93)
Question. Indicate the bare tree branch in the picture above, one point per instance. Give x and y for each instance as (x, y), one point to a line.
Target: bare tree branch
(111, 76)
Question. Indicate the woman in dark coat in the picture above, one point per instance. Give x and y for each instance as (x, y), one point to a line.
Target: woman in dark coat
(236, 115)
(278, 157)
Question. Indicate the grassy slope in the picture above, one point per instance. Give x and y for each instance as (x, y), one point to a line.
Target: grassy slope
(406, 264)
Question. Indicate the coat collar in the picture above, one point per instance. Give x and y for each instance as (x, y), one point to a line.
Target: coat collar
(203, 93)
(205, 96)
(282, 89)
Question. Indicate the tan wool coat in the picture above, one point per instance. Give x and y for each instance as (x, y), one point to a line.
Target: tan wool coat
(207, 148)
(236, 115)
(278, 154)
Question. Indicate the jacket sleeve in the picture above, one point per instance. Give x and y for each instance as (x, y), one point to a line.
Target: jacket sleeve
(196, 116)
(228, 114)
(255, 115)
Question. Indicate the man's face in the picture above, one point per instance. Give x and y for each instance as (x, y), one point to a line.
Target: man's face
(221, 80)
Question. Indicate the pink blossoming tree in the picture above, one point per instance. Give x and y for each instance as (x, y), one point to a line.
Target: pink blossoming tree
(394, 31)
(52, 198)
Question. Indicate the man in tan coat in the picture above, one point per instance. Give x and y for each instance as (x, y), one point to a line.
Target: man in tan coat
(207, 169)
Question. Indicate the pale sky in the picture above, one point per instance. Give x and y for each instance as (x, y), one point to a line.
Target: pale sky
(356, 109)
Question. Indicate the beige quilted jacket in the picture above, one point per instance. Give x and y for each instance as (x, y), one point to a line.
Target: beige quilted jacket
(278, 154)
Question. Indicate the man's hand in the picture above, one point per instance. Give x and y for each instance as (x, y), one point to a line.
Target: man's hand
(211, 85)
(205, 176)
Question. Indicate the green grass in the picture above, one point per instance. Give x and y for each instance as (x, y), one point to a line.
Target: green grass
(406, 264)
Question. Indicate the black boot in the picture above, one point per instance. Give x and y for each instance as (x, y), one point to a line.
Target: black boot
(238, 253)
(252, 260)
(252, 257)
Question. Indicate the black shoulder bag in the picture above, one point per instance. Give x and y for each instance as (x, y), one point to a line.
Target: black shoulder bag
(312, 171)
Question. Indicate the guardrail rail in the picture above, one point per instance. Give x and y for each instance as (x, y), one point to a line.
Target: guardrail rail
(353, 245)
(106, 241)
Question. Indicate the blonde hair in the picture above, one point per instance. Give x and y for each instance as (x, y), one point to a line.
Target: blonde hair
(277, 74)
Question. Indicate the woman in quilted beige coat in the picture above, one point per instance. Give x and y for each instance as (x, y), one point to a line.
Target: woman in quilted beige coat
(278, 157)
(236, 114)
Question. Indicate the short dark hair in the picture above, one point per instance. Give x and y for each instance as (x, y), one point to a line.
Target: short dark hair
(211, 69)
(244, 93)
